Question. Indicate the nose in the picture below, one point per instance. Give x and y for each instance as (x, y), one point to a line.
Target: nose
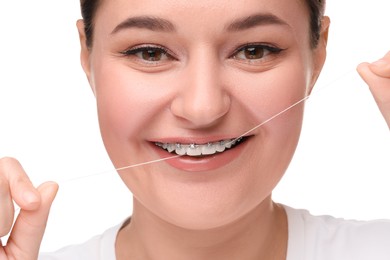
(203, 99)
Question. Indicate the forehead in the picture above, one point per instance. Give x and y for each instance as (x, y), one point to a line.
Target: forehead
(202, 15)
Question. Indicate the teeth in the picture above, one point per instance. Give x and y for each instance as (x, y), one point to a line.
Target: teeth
(208, 149)
(220, 147)
(194, 150)
(199, 149)
(170, 147)
(180, 149)
(228, 145)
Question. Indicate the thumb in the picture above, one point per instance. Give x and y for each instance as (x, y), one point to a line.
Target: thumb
(382, 66)
(379, 86)
(377, 77)
(26, 236)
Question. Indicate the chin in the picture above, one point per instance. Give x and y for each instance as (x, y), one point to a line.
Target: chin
(207, 214)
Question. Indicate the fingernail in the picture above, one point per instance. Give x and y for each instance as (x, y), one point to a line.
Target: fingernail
(30, 197)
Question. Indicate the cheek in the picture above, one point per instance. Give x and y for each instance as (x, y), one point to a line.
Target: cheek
(124, 99)
(263, 96)
(128, 105)
(268, 98)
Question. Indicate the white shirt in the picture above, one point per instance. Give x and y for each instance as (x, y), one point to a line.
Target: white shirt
(100, 247)
(310, 238)
(327, 238)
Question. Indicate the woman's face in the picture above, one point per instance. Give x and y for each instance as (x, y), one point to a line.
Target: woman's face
(186, 75)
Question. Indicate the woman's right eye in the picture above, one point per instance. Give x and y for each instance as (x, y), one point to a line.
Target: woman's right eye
(150, 54)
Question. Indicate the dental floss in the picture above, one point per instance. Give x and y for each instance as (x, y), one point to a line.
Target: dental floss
(120, 168)
(326, 85)
(17, 209)
(294, 104)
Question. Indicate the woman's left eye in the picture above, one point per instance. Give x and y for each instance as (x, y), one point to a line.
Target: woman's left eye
(148, 54)
(255, 52)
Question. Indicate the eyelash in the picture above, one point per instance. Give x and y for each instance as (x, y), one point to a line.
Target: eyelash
(257, 46)
(139, 51)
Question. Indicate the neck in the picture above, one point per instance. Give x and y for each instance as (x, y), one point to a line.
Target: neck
(260, 234)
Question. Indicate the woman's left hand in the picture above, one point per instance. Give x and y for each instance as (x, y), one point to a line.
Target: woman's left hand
(377, 76)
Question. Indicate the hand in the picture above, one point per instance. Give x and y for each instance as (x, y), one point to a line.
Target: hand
(377, 76)
(29, 227)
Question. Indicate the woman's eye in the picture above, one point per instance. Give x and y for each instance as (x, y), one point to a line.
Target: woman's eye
(148, 54)
(255, 52)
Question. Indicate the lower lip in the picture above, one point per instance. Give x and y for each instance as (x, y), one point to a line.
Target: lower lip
(202, 164)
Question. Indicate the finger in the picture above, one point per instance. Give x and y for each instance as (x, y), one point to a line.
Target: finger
(364, 71)
(379, 87)
(30, 225)
(6, 207)
(20, 186)
(382, 66)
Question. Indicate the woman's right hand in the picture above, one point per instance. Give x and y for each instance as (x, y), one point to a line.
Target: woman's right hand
(29, 227)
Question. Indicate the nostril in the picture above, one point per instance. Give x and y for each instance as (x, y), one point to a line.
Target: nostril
(202, 110)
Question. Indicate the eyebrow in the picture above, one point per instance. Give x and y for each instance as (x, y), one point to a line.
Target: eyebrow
(255, 20)
(145, 22)
(163, 25)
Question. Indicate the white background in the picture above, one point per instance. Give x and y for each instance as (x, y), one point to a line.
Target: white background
(48, 121)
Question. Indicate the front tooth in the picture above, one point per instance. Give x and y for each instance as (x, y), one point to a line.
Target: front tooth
(181, 149)
(208, 149)
(194, 150)
(197, 150)
(220, 146)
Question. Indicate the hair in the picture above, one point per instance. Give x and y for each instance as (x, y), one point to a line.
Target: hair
(316, 10)
(88, 12)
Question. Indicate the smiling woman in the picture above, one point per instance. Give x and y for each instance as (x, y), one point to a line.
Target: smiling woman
(194, 86)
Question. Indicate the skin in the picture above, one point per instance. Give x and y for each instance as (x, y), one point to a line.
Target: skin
(221, 213)
(196, 96)
(377, 76)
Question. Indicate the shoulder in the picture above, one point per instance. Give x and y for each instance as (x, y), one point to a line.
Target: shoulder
(98, 247)
(326, 237)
